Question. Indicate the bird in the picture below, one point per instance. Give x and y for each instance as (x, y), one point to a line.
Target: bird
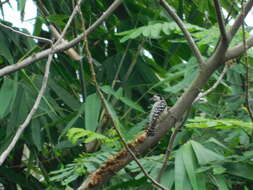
(158, 111)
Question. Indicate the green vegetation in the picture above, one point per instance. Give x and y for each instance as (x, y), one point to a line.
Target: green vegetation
(136, 52)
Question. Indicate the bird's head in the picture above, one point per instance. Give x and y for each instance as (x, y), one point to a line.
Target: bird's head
(156, 98)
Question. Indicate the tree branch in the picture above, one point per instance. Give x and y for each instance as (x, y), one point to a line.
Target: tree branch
(246, 65)
(201, 95)
(240, 18)
(27, 35)
(61, 47)
(238, 49)
(115, 125)
(141, 144)
(22, 127)
(220, 20)
(186, 33)
(170, 146)
(218, 55)
(6, 1)
(69, 22)
(71, 51)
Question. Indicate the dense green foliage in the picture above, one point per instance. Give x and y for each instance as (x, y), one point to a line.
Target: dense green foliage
(137, 52)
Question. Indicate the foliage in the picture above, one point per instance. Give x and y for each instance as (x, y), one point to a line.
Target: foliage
(75, 134)
(86, 163)
(137, 52)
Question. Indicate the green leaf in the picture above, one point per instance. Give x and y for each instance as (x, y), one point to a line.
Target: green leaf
(36, 134)
(127, 184)
(76, 134)
(72, 121)
(241, 170)
(125, 100)
(18, 178)
(205, 155)
(190, 72)
(110, 91)
(114, 117)
(190, 164)
(215, 141)
(20, 110)
(21, 5)
(112, 113)
(64, 95)
(154, 30)
(4, 50)
(168, 178)
(131, 104)
(58, 19)
(181, 180)
(7, 96)
(221, 182)
(38, 26)
(218, 169)
(92, 110)
(132, 35)
(200, 122)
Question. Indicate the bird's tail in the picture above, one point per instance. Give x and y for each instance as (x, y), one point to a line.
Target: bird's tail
(151, 130)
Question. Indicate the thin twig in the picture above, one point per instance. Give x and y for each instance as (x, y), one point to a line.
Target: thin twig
(183, 104)
(186, 33)
(120, 65)
(81, 63)
(27, 35)
(69, 22)
(22, 127)
(246, 83)
(116, 79)
(71, 51)
(133, 63)
(1, 3)
(220, 20)
(201, 95)
(229, 13)
(240, 18)
(61, 47)
(178, 125)
(104, 102)
(222, 47)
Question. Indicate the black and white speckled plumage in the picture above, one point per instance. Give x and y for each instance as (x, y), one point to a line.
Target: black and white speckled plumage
(159, 108)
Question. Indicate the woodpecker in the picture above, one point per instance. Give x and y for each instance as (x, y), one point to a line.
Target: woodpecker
(158, 110)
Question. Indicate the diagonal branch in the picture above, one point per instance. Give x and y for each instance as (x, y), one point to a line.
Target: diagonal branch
(178, 126)
(186, 33)
(238, 49)
(218, 55)
(220, 20)
(6, 1)
(142, 145)
(71, 51)
(115, 125)
(201, 95)
(61, 47)
(23, 126)
(69, 22)
(27, 35)
(240, 18)
(247, 68)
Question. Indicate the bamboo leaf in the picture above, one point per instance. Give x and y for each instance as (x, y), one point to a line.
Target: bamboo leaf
(205, 155)
(92, 111)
